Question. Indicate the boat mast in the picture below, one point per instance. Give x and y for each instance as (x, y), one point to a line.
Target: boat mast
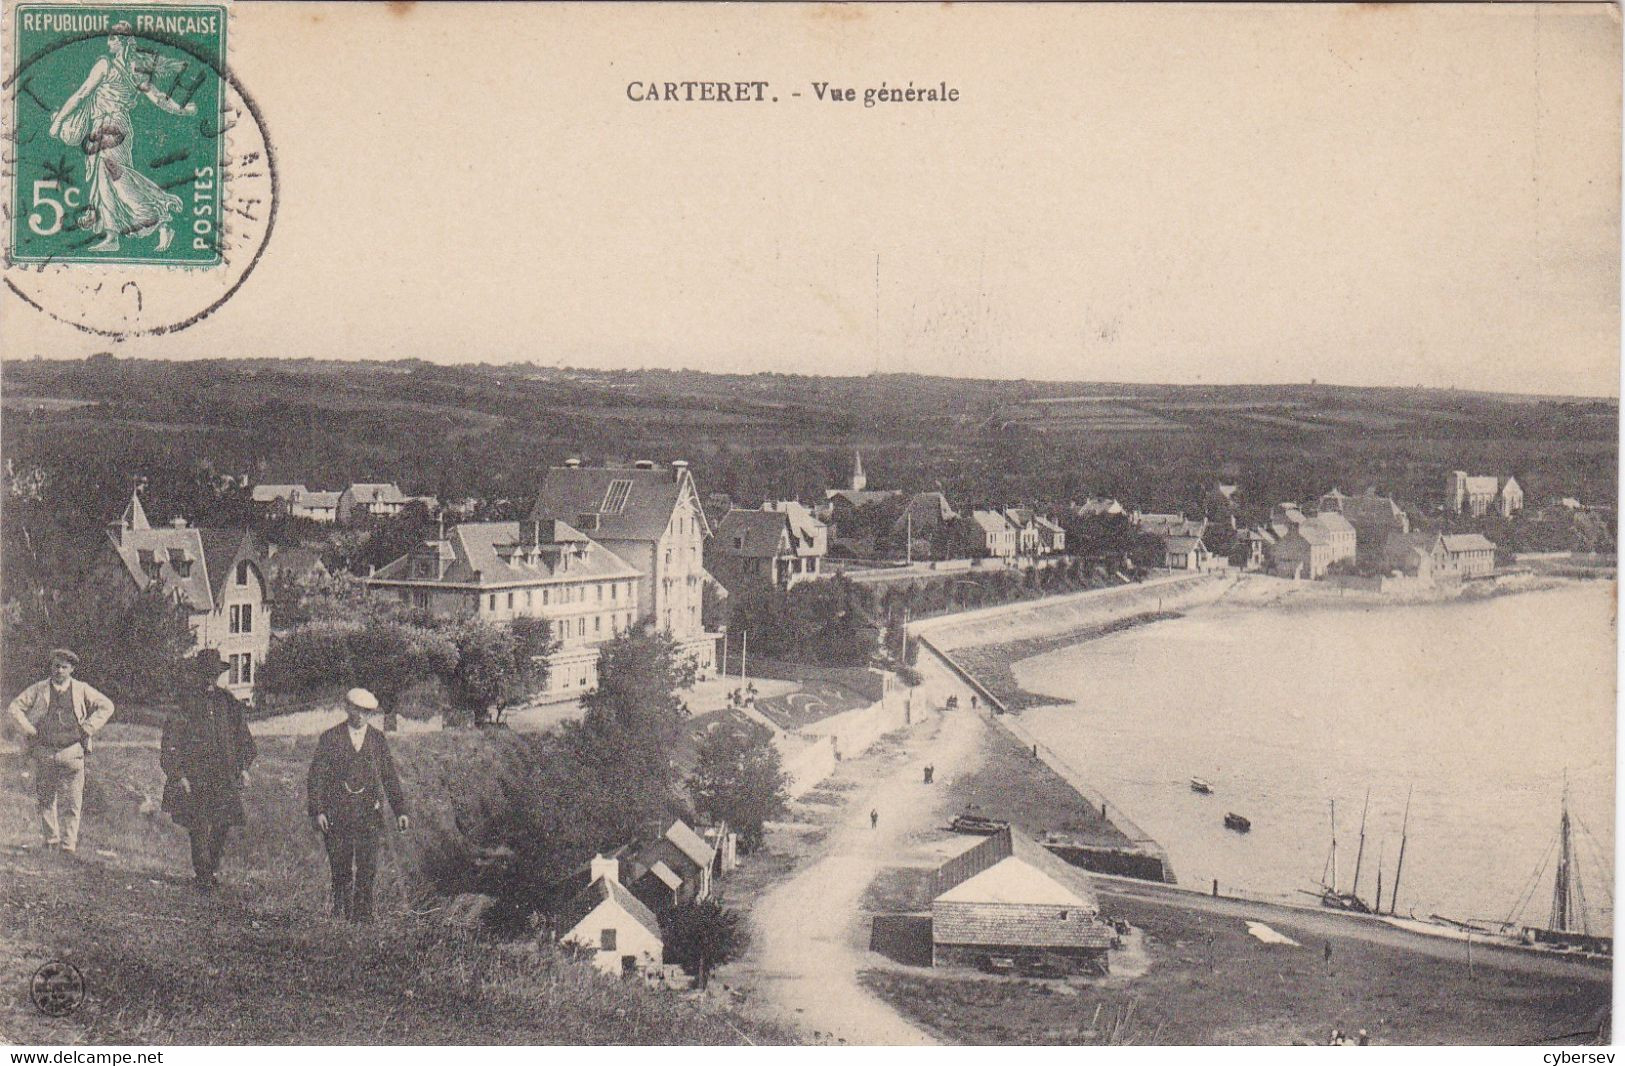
(1333, 885)
(1393, 893)
(1360, 854)
(1376, 907)
(1562, 886)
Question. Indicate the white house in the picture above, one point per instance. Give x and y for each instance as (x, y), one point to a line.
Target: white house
(607, 919)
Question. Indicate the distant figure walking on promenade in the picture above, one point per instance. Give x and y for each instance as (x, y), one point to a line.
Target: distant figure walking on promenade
(874, 819)
(57, 717)
(207, 750)
(350, 778)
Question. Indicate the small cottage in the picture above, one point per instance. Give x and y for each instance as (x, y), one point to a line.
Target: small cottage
(1009, 904)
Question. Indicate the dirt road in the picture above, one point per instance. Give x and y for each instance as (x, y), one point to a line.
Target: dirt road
(810, 937)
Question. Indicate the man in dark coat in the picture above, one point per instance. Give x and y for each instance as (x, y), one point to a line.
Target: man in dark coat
(350, 778)
(206, 753)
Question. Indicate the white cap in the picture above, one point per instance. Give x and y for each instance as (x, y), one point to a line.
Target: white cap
(360, 697)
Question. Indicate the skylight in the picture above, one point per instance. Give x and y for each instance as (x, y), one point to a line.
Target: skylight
(615, 496)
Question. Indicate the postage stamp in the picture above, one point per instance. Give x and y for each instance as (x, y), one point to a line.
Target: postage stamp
(119, 119)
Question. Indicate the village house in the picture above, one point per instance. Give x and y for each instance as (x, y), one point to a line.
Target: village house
(1185, 553)
(985, 534)
(1162, 525)
(1302, 551)
(1479, 495)
(606, 919)
(215, 575)
(1008, 904)
(1374, 518)
(1340, 534)
(925, 514)
(766, 548)
(1021, 520)
(364, 500)
(652, 520)
(1051, 537)
(1252, 547)
(1470, 554)
(499, 571)
(1419, 555)
(296, 501)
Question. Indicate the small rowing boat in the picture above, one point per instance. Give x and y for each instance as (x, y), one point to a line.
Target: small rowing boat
(1200, 787)
(1237, 822)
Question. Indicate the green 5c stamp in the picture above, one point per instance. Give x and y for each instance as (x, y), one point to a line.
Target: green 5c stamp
(119, 122)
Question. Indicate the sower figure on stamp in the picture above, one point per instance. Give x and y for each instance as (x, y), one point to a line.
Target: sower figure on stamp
(207, 750)
(350, 777)
(57, 717)
(120, 201)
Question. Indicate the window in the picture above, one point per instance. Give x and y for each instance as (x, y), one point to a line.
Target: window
(241, 618)
(493, 603)
(597, 624)
(242, 668)
(615, 591)
(510, 601)
(606, 939)
(581, 627)
(546, 597)
(420, 599)
(739, 543)
(527, 597)
(242, 573)
(615, 496)
(600, 589)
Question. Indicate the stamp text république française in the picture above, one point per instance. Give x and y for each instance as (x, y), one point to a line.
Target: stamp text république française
(759, 92)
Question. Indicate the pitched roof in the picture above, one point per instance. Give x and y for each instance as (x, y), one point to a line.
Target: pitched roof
(666, 875)
(928, 507)
(1180, 545)
(377, 492)
(1467, 542)
(269, 493)
(494, 554)
(1332, 522)
(1097, 505)
(802, 521)
(861, 497)
(690, 843)
(295, 562)
(1008, 869)
(617, 503)
(990, 521)
(600, 890)
(754, 534)
(320, 499)
(1045, 524)
(211, 554)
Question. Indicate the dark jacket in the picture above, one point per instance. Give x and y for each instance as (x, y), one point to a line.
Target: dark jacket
(350, 786)
(207, 742)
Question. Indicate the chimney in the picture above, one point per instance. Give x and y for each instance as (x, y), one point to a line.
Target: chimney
(644, 464)
(678, 467)
(602, 867)
(572, 463)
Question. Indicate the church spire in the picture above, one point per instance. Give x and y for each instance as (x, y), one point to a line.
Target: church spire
(859, 479)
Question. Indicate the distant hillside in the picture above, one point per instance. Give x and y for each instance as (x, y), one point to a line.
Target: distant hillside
(489, 431)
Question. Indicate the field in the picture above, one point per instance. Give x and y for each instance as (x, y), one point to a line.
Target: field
(488, 431)
(260, 962)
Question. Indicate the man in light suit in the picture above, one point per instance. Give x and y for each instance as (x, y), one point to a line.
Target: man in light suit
(57, 717)
(350, 778)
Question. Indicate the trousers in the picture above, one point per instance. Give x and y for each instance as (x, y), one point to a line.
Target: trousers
(208, 843)
(59, 794)
(353, 856)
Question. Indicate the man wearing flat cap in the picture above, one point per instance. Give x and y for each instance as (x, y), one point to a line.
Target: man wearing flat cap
(57, 717)
(350, 778)
(207, 750)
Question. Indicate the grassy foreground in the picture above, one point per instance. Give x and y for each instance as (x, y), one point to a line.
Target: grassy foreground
(260, 962)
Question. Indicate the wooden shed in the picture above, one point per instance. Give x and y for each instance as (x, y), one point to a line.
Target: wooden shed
(1009, 905)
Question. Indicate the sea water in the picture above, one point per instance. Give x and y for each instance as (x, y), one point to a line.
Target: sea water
(1479, 709)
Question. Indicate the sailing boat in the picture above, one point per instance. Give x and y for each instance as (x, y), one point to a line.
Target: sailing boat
(1569, 926)
(1329, 895)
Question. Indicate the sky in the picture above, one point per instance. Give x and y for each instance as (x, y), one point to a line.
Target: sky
(1365, 195)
